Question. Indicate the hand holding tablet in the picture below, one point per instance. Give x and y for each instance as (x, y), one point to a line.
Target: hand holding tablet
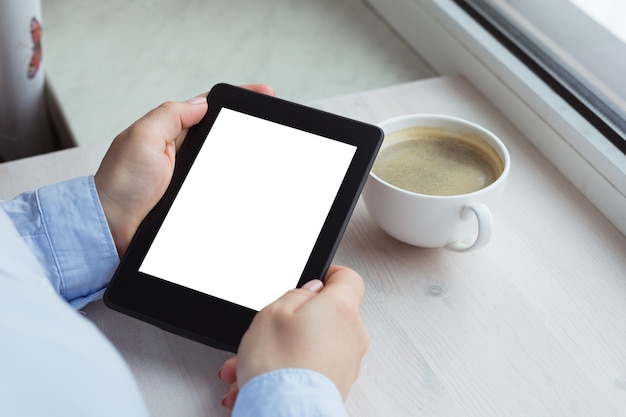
(261, 194)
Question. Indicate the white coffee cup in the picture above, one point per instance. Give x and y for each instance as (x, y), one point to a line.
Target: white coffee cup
(461, 221)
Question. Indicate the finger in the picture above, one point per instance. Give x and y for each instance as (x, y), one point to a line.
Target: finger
(344, 289)
(260, 88)
(228, 401)
(196, 108)
(315, 285)
(228, 371)
(292, 300)
(344, 284)
(180, 115)
(183, 115)
(169, 122)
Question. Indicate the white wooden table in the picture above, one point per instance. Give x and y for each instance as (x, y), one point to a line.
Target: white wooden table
(532, 325)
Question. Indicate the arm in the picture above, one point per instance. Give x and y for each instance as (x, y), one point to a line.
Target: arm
(77, 228)
(54, 361)
(80, 228)
(65, 228)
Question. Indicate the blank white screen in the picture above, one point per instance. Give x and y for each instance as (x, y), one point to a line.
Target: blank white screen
(250, 210)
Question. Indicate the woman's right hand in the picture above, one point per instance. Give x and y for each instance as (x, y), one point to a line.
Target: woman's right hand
(317, 327)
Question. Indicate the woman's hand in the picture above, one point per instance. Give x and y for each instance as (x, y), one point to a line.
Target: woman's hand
(317, 327)
(138, 166)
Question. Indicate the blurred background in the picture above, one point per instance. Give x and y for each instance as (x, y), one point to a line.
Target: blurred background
(108, 62)
(77, 72)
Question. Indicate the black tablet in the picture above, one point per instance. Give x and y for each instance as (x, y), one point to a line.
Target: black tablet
(261, 194)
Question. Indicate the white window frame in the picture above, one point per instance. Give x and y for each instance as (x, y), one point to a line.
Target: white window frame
(454, 43)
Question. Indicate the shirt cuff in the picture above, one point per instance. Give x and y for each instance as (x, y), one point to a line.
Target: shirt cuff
(289, 392)
(65, 226)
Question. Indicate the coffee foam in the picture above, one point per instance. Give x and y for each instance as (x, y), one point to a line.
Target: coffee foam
(431, 160)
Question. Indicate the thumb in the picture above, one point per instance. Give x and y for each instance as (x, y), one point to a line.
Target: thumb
(292, 300)
(193, 110)
(171, 120)
(315, 285)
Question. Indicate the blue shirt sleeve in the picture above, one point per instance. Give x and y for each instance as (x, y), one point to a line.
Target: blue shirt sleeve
(65, 227)
(287, 393)
(53, 361)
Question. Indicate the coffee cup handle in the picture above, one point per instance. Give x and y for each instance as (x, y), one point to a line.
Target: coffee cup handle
(485, 227)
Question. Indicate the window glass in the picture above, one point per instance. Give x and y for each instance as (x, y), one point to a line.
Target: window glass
(578, 47)
(609, 13)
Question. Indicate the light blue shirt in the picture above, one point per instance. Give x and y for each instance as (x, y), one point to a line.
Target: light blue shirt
(53, 362)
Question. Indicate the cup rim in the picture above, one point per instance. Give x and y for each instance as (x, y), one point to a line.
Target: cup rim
(501, 150)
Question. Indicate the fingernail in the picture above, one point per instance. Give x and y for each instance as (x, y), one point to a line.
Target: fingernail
(197, 100)
(315, 285)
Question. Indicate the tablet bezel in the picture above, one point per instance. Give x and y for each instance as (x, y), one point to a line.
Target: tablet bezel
(202, 317)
